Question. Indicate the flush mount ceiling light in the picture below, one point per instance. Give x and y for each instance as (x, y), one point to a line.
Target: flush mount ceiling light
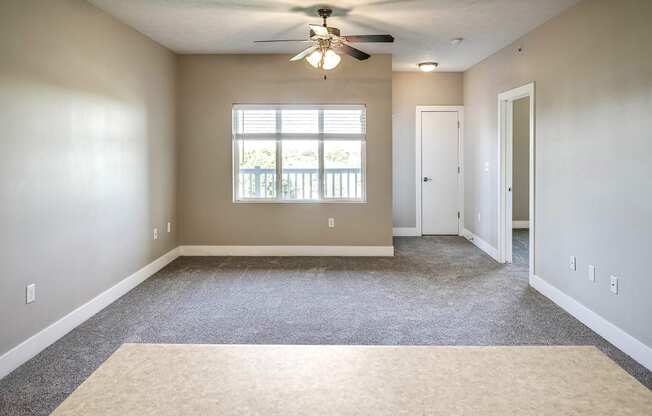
(326, 41)
(428, 66)
(456, 41)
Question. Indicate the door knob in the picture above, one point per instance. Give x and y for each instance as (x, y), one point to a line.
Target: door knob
(426, 179)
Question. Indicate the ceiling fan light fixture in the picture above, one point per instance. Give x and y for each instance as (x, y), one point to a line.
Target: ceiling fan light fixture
(326, 60)
(428, 66)
(331, 60)
(314, 58)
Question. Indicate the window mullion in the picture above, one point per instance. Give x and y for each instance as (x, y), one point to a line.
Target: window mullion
(321, 176)
(363, 170)
(235, 154)
(236, 170)
(279, 155)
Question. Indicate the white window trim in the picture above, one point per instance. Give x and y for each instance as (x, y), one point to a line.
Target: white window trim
(278, 137)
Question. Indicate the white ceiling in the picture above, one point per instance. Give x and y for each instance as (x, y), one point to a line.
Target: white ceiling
(422, 29)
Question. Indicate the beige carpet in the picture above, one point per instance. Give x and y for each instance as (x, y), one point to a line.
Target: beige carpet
(155, 379)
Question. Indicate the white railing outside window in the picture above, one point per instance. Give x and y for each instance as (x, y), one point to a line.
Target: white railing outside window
(299, 153)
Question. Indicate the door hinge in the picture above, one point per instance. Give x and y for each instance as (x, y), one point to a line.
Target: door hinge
(458, 169)
(458, 215)
(458, 124)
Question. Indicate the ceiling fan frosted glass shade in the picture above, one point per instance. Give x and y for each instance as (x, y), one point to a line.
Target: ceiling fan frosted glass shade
(331, 60)
(314, 58)
(328, 61)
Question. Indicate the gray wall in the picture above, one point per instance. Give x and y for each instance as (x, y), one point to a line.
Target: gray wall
(410, 89)
(87, 158)
(208, 85)
(593, 71)
(521, 160)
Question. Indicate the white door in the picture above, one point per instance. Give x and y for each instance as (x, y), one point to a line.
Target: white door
(439, 171)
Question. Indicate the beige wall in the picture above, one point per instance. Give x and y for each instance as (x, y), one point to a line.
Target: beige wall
(87, 158)
(521, 160)
(410, 89)
(593, 71)
(207, 88)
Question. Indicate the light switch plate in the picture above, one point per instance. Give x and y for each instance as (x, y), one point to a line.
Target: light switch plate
(613, 285)
(572, 263)
(30, 293)
(591, 273)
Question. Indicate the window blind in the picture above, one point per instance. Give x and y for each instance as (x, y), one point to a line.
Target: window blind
(300, 122)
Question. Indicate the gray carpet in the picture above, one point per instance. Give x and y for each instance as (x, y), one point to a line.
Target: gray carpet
(520, 251)
(435, 291)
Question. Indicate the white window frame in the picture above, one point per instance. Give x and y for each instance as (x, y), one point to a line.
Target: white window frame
(321, 137)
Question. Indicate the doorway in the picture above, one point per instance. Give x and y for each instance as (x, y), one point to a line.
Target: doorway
(516, 185)
(439, 184)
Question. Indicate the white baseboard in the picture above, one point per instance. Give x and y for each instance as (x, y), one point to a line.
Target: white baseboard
(621, 339)
(344, 251)
(520, 224)
(13, 358)
(481, 244)
(405, 232)
(27, 349)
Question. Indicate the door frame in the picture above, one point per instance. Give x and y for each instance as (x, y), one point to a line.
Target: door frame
(505, 164)
(459, 109)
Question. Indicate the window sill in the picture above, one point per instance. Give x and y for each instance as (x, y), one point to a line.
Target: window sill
(299, 202)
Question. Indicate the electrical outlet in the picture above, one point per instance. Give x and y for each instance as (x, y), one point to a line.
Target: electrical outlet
(155, 233)
(572, 263)
(331, 223)
(613, 285)
(169, 227)
(30, 293)
(591, 273)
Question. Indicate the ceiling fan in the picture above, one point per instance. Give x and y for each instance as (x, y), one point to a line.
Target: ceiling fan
(327, 42)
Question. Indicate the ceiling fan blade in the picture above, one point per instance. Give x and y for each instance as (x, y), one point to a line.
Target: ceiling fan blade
(382, 3)
(370, 38)
(276, 6)
(304, 53)
(320, 31)
(282, 40)
(356, 53)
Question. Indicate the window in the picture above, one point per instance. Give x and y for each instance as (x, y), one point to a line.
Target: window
(299, 153)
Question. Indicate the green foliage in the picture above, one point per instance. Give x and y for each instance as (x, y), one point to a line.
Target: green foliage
(263, 155)
(339, 156)
(255, 155)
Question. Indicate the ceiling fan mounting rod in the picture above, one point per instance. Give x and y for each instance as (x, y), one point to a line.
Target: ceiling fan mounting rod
(325, 14)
